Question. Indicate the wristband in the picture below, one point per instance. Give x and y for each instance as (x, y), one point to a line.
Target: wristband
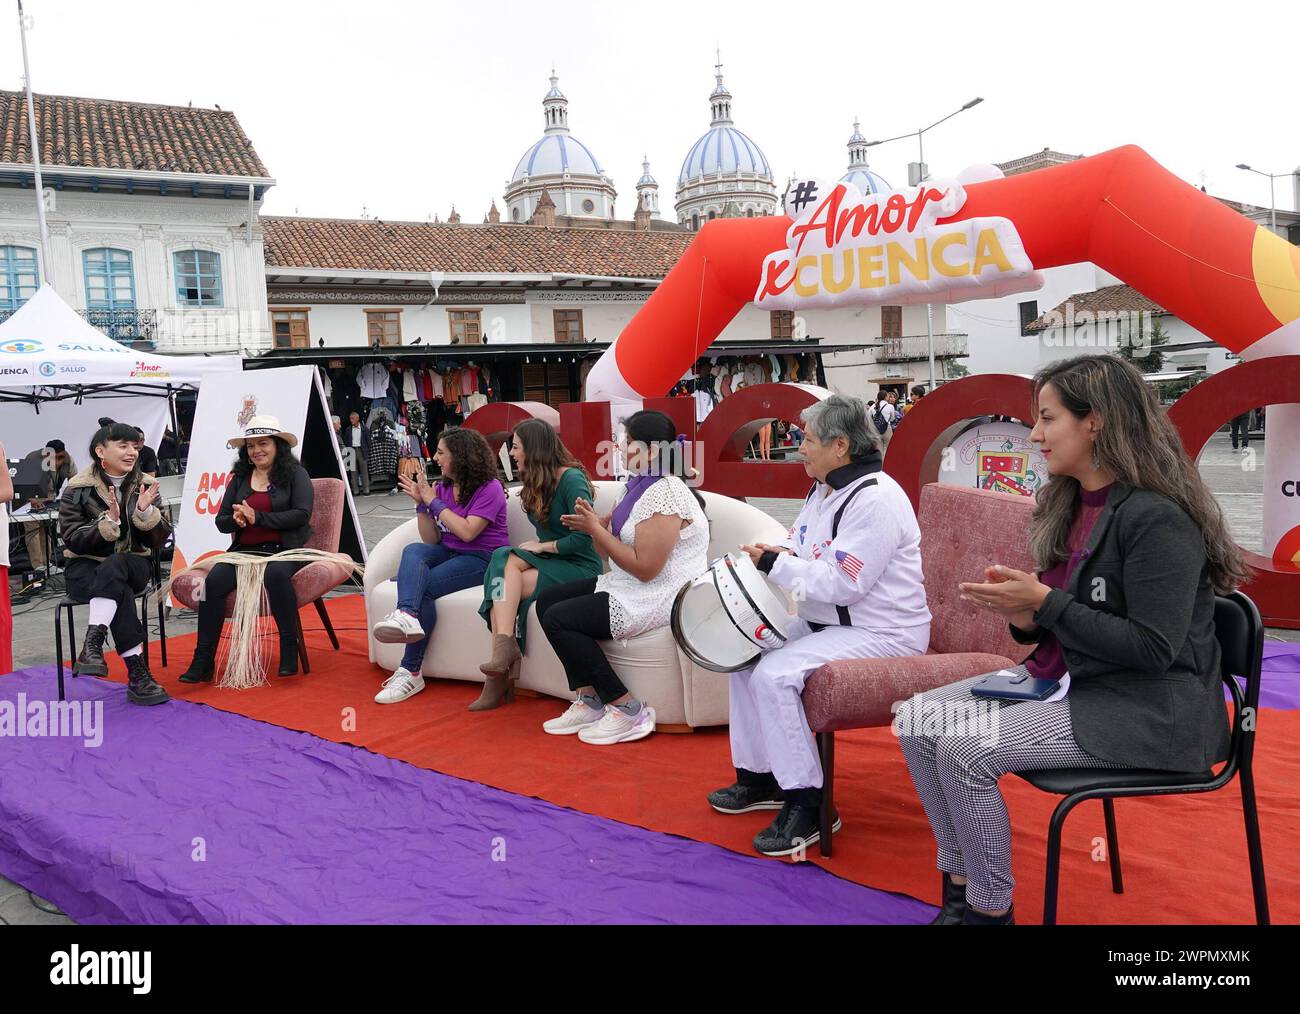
(436, 508)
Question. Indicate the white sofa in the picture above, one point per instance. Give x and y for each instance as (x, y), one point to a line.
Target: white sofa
(651, 665)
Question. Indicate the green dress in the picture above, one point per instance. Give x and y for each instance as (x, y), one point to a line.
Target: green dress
(575, 558)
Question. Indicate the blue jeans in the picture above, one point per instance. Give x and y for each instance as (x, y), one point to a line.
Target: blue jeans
(425, 575)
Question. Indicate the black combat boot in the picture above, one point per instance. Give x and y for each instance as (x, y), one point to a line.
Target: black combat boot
(91, 660)
(140, 686)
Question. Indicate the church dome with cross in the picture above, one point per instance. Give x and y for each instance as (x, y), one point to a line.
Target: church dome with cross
(725, 172)
(561, 166)
(859, 173)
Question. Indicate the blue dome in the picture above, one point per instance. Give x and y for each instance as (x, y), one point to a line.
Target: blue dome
(555, 154)
(867, 182)
(723, 149)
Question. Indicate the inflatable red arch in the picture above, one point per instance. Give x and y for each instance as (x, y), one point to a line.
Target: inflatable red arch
(1234, 281)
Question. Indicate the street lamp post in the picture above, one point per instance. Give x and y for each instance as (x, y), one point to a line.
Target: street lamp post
(1272, 200)
(47, 268)
(923, 173)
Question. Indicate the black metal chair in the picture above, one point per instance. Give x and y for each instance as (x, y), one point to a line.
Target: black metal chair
(1240, 632)
(68, 604)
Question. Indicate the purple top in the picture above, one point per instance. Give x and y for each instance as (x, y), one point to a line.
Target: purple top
(1048, 661)
(488, 501)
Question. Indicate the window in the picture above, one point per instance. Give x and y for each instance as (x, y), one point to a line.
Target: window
(695, 223)
(18, 280)
(1028, 314)
(198, 278)
(891, 322)
(547, 383)
(588, 206)
(110, 279)
(384, 327)
(568, 325)
(783, 324)
(289, 329)
(466, 326)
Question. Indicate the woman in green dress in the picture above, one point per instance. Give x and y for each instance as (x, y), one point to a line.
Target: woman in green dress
(553, 480)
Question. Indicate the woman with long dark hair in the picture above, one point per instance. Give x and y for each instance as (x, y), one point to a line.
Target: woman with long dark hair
(1131, 547)
(656, 540)
(266, 508)
(553, 482)
(107, 513)
(462, 521)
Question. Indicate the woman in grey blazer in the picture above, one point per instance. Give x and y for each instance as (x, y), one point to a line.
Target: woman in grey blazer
(1131, 548)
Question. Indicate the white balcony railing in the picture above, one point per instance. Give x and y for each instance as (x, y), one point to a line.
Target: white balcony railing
(912, 348)
(211, 329)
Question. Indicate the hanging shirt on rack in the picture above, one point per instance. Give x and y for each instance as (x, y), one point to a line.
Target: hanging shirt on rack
(373, 380)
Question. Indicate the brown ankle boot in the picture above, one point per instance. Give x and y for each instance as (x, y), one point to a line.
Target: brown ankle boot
(505, 653)
(498, 689)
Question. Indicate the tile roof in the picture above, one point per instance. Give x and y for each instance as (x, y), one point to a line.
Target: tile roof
(375, 245)
(104, 134)
(1107, 299)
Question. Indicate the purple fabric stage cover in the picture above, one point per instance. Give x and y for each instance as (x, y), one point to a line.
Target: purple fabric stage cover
(186, 814)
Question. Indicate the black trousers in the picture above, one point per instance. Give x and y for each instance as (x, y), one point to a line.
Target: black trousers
(1241, 425)
(574, 617)
(121, 577)
(221, 582)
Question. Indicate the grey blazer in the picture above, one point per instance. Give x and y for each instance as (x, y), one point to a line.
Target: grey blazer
(1136, 627)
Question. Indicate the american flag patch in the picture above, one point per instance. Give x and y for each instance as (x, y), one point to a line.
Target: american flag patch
(849, 563)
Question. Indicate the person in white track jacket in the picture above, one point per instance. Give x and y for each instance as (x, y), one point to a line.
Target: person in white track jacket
(852, 563)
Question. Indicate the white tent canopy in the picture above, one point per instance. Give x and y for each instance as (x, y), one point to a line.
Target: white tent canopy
(48, 344)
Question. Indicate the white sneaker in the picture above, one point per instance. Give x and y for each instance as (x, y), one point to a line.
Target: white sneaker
(399, 686)
(399, 628)
(616, 727)
(579, 716)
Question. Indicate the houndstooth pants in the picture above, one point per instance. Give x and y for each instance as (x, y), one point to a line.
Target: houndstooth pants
(957, 747)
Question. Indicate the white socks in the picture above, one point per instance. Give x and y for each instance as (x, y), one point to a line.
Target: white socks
(132, 652)
(102, 612)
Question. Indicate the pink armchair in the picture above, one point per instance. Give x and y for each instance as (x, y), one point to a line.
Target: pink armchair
(962, 532)
(311, 583)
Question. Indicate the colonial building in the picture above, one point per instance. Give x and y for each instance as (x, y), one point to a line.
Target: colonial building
(542, 295)
(153, 220)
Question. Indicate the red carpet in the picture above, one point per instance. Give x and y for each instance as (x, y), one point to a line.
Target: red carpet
(1184, 858)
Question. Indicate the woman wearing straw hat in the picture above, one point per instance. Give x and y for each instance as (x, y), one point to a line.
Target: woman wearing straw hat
(267, 509)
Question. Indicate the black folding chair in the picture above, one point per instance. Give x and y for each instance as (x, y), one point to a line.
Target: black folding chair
(68, 604)
(1240, 632)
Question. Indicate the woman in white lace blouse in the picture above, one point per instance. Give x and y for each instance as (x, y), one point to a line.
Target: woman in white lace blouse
(656, 540)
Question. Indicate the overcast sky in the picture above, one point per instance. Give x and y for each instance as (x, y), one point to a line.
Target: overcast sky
(408, 108)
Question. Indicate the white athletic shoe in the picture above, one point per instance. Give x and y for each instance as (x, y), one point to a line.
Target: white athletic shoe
(399, 686)
(399, 628)
(579, 716)
(616, 727)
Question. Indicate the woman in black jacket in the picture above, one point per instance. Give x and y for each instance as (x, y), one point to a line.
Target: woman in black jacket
(267, 507)
(1131, 546)
(108, 519)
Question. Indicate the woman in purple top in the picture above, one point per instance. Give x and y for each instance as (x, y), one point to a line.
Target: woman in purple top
(462, 520)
